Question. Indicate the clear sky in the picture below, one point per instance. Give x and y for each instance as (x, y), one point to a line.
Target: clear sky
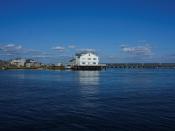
(118, 30)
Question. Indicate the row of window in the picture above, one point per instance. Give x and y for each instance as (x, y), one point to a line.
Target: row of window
(90, 58)
(94, 63)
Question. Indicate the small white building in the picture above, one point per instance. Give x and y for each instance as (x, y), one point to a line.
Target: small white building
(59, 64)
(18, 62)
(86, 59)
(31, 63)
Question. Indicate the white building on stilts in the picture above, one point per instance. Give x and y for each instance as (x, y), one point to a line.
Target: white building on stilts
(86, 59)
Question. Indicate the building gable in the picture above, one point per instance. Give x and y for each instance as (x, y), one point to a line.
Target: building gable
(87, 59)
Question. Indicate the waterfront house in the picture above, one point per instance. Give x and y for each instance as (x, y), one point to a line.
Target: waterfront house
(86, 59)
(18, 62)
(31, 63)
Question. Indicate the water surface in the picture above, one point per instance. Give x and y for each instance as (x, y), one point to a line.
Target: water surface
(120, 99)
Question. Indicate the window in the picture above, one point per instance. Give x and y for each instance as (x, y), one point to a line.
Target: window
(94, 63)
(89, 58)
(83, 63)
(94, 58)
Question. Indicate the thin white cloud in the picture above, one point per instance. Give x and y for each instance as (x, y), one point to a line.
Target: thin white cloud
(87, 49)
(168, 58)
(10, 45)
(41, 56)
(71, 46)
(19, 47)
(137, 50)
(59, 48)
(19, 51)
(11, 49)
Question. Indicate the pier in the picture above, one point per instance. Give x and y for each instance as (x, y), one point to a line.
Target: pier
(90, 67)
(141, 65)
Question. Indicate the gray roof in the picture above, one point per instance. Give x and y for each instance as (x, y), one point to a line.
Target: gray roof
(72, 60)
(84, 52)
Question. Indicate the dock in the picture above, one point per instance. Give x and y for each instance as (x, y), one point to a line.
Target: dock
(141, 65)
(89, 67)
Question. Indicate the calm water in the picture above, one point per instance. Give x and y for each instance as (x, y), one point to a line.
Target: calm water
(120, 99)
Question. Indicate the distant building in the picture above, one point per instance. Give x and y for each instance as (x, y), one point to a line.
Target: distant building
(72, 62)
(32, 63)
(59, 64)
(85, 59)
(25, 63)
(18, 62)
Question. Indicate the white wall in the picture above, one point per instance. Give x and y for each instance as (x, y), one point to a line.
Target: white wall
(18, 62)
(88, 59)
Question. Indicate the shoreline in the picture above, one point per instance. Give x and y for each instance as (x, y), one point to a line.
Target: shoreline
(107, 67)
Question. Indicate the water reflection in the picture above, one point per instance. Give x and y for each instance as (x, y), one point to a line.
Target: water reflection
(89, 77)
(89, 82)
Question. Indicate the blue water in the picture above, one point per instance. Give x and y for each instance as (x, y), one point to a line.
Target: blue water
(111, 100)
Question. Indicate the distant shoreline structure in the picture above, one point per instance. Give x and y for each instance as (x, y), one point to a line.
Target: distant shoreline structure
(82, 61)
(141, 65)
(86, 60)
(4, 65)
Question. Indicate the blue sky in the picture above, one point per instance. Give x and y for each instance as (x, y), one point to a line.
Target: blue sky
(118, 30)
